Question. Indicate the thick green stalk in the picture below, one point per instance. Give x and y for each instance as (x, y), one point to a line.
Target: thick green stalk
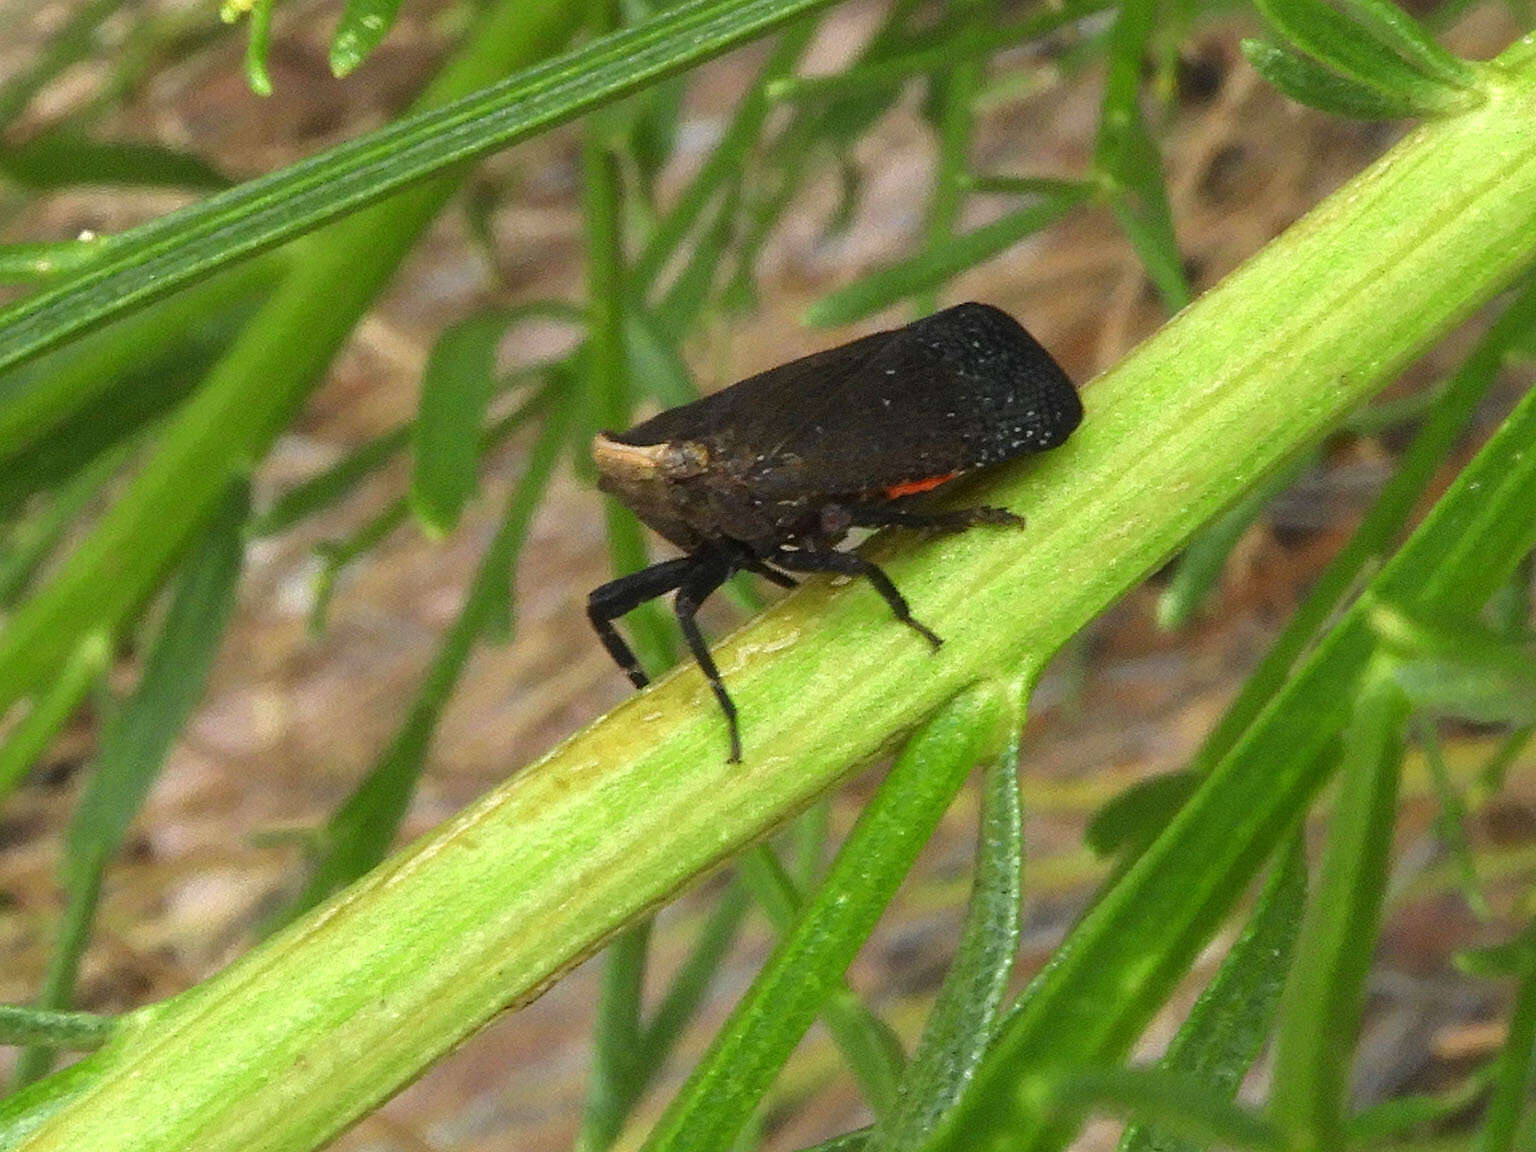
(254, 391)
(346, 1006)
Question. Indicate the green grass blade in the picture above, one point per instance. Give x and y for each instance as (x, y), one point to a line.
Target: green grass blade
(685, 995)
(1325, 996)
(964, 1014)
(362, 27)
(71, 384)
(331, 486)
(621, 1068)
(1451, 821)
(72, 43)
(1460, 669)
(1127, 156)
(1218, 1041)
(1512, 1070)
(37, 537)
(773, 1015)
(176, 249)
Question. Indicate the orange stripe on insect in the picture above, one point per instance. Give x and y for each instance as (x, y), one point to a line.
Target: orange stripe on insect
(913, 487)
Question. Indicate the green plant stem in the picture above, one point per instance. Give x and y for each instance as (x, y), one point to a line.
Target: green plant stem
(320, 1023)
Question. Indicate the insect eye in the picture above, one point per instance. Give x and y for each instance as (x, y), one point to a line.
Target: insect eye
(684, 458)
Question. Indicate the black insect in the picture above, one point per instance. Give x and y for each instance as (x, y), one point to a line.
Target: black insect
(770, 474)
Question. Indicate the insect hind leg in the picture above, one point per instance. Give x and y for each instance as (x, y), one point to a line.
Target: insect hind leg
(852, 564)
(699, 584)
(609, 601)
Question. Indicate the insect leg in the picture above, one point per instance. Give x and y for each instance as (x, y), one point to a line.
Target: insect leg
(697, 587)
(609, 601)
(852, 564)
(946, 520)
(768, 573)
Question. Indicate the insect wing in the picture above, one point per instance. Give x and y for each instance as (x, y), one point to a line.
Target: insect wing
(961, 389)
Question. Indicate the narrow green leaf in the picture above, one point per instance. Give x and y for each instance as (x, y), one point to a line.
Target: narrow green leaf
(363, 25)
(773, 1015)
(1345, 47)
(336, 555)
(50, 711)
(65, 159)
(1133, 819)
(456, 389)
(38, 536)
(73, 42)
(1325, 996)
(1377, 1125)
(132, 354)
(1401, 34)
(1128, 157)
(1381, 526)
(689, 986)
(1451, 822)
(657, 362)
(871, 1050)
(135, 741)
(1309, 83)
(72, 1031)
(1218, 1041)
(171, 251)
(1512, 1070)
(621, 1067)
(138, 736)
(331, 486)
(847, 1142)
(964, 1015)
(935, 267)
(1176, 1103)
(257, 45)
(1463, 670)
(1205, 559)
(43, 261)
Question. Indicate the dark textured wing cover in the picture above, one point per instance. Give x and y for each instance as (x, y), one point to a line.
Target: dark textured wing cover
(957, 390)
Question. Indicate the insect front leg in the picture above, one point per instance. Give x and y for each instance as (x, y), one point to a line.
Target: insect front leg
(609, 601)
(852, 564)
(699, 585)
(944, 520)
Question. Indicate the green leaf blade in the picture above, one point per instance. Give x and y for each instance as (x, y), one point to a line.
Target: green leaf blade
(361, 29)
(456, 389)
